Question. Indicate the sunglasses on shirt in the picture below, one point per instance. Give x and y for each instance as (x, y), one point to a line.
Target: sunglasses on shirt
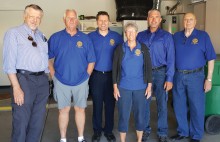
(34, 44)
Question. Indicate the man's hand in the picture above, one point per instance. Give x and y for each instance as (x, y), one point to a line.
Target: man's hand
(168, 86)
(207, 86)
(18, 96)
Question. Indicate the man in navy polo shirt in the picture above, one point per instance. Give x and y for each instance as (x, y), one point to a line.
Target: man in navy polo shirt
(101, 86)
(74, 58)
(161, 46)
(193, 49)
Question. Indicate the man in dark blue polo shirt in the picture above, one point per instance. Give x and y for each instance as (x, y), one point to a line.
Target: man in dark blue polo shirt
(161, 47)
(193, 49)
(104, 41)
(74, 58)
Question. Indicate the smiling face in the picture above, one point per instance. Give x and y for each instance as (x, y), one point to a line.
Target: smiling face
(70, 20)
(103, 22)
(189, 21)
(131, 33)
(32, 18)
(154, 19)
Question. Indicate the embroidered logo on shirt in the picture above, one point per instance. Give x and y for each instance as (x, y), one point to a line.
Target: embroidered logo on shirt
(195, 41)
(79, 44)
(112, 42)
(137, 52)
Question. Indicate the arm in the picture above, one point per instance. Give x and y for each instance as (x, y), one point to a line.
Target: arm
(51, 67)
(208, 81)
(17, 91)
(90, 68)
(168, 85)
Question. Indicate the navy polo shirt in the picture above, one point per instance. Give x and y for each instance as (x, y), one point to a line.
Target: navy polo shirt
(72, 55)
(161, 48)
(194, 51)
(104, 47)
(132, 77)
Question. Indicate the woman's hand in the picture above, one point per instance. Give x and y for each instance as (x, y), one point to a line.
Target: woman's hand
(148, 90)
(116, 92)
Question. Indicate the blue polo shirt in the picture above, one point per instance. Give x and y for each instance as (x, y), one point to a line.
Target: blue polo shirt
(161, 48)
(104, 47)
(194, 51)
(132, 77)
(72, 55)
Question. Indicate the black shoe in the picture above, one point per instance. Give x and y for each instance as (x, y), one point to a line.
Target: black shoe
(177, 137)
(193, 140)
(110, 137)
(83, 140)
(96, 137)
(145, 136)
(163, 139)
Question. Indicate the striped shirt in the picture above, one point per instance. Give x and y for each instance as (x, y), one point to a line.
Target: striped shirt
(19, 53)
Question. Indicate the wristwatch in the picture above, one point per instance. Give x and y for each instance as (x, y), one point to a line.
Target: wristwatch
(209, 80)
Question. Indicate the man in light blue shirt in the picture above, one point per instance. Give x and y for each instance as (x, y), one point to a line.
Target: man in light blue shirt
(25, 60)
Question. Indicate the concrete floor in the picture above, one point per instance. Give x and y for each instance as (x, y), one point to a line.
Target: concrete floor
(51, 131)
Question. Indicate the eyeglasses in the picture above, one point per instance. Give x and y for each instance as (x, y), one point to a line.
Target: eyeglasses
(34, 44)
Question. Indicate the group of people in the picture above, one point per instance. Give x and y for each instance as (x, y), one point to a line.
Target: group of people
(151, 62)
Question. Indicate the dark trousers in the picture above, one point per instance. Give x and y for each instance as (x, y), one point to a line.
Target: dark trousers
(28, 119)
(101, 89)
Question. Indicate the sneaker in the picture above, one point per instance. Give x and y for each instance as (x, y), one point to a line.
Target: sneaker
(110, 137)
(145, 136)
(61, 141)
(96, 137)
(163, 139)
(83, 140)
(193, 140)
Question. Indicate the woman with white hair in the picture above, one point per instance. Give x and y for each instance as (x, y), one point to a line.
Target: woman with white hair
(132, 81)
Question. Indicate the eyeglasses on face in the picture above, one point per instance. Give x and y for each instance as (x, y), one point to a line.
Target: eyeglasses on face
(34, 44)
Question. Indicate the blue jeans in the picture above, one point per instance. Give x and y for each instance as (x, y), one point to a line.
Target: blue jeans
(188, 91)
(159, 78)
(131, 100)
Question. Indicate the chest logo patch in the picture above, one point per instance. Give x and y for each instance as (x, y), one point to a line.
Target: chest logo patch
(195, 41)
(137, 52)
(112, 42)
(79, 44)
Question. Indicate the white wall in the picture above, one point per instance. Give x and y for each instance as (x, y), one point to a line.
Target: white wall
(212, 20)
(54, 10)
(11, 12)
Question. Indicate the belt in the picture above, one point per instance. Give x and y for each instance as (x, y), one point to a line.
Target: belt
(158, 68)
(190, 71)
(30, 73)
(102, 72)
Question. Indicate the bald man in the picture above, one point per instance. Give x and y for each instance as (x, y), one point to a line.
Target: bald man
(193, 49)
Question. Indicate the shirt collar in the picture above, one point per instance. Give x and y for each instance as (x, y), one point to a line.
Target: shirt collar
(149, 32)
(29, 31)
(97, 31)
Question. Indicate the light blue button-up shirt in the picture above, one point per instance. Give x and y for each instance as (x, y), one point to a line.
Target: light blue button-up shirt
(19, 53)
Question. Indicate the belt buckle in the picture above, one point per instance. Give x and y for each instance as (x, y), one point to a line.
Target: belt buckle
(185, 72)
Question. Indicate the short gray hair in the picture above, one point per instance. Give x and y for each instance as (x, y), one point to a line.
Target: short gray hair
(132, 25)
(67, 10)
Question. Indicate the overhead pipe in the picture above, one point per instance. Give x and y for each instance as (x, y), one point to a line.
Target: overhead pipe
(156, 4)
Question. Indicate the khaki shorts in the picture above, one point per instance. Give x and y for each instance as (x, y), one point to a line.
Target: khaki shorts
(64, 94)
